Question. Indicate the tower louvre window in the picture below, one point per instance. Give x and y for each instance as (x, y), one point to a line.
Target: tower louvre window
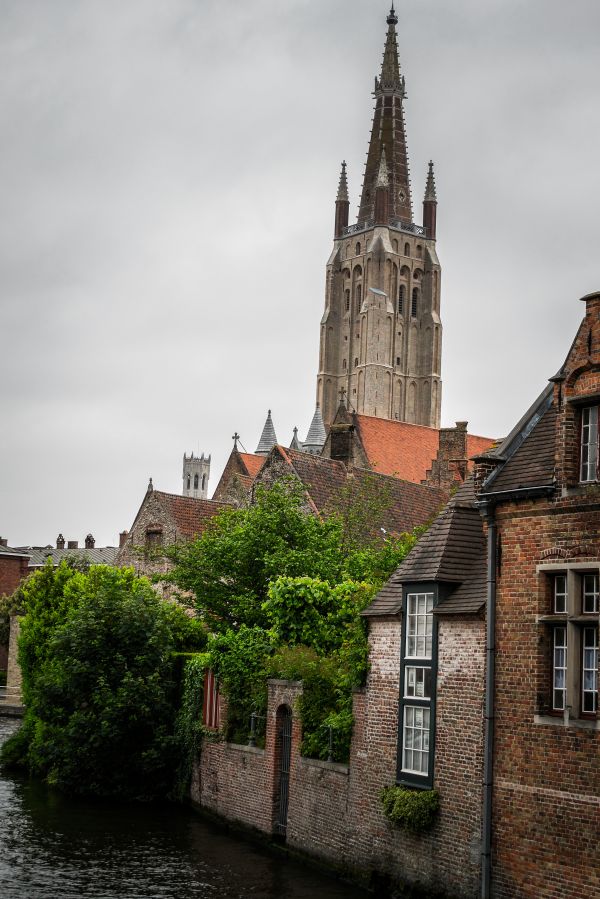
(195, 482)
(358, 296)
(414, 303)
(347, 299)
(401, 298)
(407, 249)
(189, 481)
(203, 481)
(358, 249)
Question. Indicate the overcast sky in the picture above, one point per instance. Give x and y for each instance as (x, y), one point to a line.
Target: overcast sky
(167, 177)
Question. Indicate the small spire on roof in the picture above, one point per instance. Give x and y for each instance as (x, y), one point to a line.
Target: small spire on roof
(295, 444)
(342, 194)
(150, 486)
(317, 435)
(430, 194)
(268, 438)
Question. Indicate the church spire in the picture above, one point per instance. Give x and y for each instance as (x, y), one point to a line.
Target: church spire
(342, 204)
(430, 204)
(268, 438)
(388, 130)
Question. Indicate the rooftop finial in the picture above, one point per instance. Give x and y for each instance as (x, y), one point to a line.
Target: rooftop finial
(235, 439)
(392, 19)
(342, 193)
(430, 194)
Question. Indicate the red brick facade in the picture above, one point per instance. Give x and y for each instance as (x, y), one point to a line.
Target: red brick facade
(12, 571)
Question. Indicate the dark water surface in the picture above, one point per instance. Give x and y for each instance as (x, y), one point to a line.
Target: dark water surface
(52, 846)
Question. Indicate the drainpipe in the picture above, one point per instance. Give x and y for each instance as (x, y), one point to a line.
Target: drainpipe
(490, 671)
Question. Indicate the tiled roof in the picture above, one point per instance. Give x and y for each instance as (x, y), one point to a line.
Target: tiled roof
(99, 555)
(189, 514)
(532, 464)
(452, 551)
(397, 447)
(252, 462)
(410, 504)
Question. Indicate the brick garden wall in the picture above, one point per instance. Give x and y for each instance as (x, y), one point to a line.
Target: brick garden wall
(334, 810)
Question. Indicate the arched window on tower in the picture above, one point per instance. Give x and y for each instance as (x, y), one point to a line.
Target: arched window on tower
(344, 364)
(195, 482)
(358, 297)
(203, 481)
(356, 362)
(407, 249)
(189, 481)
(358, 249)
(347, 299)
(419, 251)
(401, 298)
(415, 301)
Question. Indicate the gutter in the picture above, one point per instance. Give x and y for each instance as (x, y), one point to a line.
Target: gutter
(490, 677)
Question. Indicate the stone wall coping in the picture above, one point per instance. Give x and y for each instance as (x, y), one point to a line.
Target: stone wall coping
(277, 682)
(335, 767)
(242, 747)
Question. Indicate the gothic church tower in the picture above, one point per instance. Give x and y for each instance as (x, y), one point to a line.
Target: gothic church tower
(381, 334)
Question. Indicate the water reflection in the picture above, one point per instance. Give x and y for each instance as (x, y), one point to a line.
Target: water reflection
(51, 846)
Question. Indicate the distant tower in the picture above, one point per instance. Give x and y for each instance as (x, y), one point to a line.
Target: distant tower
(196, 472)
(381, 333)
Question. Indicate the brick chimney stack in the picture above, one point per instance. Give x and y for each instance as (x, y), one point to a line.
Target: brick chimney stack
(3, 541)
(60, 542)
(90, 542)
(123, 538)
(72, 544)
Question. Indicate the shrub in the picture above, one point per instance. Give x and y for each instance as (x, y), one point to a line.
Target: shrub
(414, 810)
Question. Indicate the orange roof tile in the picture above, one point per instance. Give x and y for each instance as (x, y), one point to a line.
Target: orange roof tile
(397, 447)
(189, 514)
(252, 462)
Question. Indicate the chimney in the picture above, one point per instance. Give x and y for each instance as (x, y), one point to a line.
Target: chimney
(72, 544)
(123, 538)
(3, 541)
(60, 542)
(90, 542)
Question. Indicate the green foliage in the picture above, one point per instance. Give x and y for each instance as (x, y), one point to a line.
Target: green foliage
(10, 604)
(100, 682)
(239, 660)
(188, 723)
(360, 506)
(230, 567)
(376, 563)
(414, 810)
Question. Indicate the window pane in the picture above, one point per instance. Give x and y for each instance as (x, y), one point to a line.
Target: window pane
(589, 679)
(417, 682)
(590, 593)
(415, 740)
(589, 443)
(559, 672)
(560, 593)
(419, 625)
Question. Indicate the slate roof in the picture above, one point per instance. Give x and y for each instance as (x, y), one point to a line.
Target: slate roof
(20, 552)
(532, 464)
(268, 438)
(99, 555)
(452, 551)
(189, 514)
(324, 479)
(317, 435)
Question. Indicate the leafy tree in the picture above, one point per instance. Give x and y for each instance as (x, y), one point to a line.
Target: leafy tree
(230, 567)
(101, 687)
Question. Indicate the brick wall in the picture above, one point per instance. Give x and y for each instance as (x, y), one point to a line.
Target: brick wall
(12, 571)
(13, 675)
(334, 810)
(547, 774)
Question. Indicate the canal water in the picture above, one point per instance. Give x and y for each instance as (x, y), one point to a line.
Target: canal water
(53, 846)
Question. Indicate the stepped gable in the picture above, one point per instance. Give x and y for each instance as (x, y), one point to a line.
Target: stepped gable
(451, 552)
(411, 504)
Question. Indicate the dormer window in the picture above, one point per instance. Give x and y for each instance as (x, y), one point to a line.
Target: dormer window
(589, 444)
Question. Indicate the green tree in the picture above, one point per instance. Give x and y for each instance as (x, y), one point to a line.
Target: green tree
(230, 567)
(101, 687)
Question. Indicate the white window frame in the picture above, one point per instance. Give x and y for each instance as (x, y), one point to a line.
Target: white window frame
(417, 705)
(589, 461)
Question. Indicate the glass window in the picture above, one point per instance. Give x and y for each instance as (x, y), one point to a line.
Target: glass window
(417, 682)
(560, 593)
(559, 674)
(419, 625)
(589, 679)
(589, 444)
(415, 743)
(590, 594)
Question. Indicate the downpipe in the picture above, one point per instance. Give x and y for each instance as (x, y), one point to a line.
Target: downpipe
(490, 676)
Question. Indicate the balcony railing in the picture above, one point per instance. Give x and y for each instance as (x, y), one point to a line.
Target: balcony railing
(396, 224)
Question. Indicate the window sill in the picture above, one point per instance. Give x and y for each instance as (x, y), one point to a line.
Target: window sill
(575, 723)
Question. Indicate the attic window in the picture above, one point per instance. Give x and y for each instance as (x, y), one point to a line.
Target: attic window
(589, 444)
(154, 537)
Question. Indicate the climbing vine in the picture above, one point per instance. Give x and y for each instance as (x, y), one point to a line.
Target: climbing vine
(414, 810)
(188, 723)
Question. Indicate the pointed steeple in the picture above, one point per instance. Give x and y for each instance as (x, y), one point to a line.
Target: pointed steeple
(430, 204)
(388, 129)
(295, 444)
(317, 435)
(430, 194)
(268, 438)
(342, 204)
